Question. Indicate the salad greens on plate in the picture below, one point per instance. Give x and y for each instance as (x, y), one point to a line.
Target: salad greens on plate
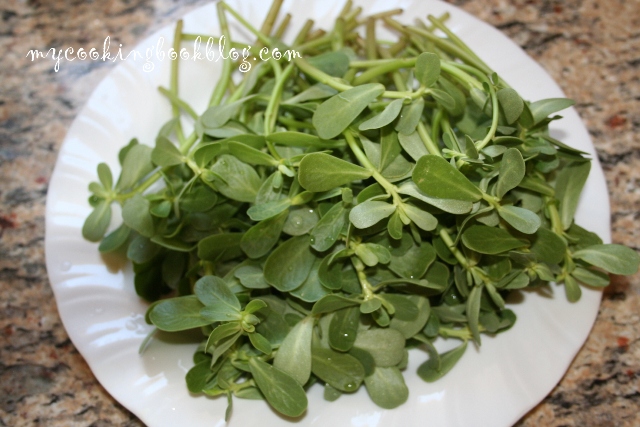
(332, 209)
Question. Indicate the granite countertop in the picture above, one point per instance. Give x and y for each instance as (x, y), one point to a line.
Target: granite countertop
(590, 47)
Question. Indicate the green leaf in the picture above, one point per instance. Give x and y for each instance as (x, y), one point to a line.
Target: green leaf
(142, 250)
(414, 262)
(269, 209)
(219, 346)
(594, 278)
(317, 91)
(311, 289)
(97, 222)
(389, 114)
(456, 94)
(272, 326)
(331, 394)
(335, 64)
(569, 185)
(494, 150)
(457, 207)
(122, 154)
(413, 145)
(409, 118)
(99, 192)
(294, 354)
(409, 326)
(217, 116)
(517, 279)
(521, 219)
(386, 387)
(115, 239)
(540, 110)
(548, 246)
(301, 220)
(105, 176)
(212, 290)
(250, 155)
(489, 240)
(165, 153)
(136, 165)
(334, 115)
(162, 209)
(370, 213)
(340, 370)
(427, 69)
(422, 219)
(581, 238)
(220, 246)
(289, 264)
(331, 303)
(199, 199)
(251, 276)
(322, 172)
(572, 289)
(429, 371)
(178, 314)
(512, 169)
(198, 376)
(343, 328)
(444, 99)
(395, 226)
(390, 155)
(438, 274)
(511, 103)
(385, 345)
(370, 306)
(616, 259)
(473, 311)
(238, 181)
(538, 185)
(257, 241)
(281, 390)
(328, 229)
(437, 178)
(260, 343)
(135, 213)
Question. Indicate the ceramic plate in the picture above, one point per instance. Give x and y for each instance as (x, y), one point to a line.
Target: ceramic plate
(491, 386)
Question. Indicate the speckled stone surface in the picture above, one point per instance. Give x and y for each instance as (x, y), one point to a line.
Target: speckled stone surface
(591, 47)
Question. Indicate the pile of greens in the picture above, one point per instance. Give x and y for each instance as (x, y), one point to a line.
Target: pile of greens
(328, 213)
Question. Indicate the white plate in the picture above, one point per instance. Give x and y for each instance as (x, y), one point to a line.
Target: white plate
(493, 386)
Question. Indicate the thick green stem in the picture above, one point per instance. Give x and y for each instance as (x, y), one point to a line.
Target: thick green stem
(494, 120)
(271, 113)
(263, 38)
(384, 68)
(272, 15)
(446, 238)
(283, 26)
(367, 289)
(173, 82)
(453, 69)
(364, 161)
(463, 334)
(177, 102)
(554, 216)
(455, 39)
(431, 146)
(221, 86)
(449, 47)
(303, 33)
